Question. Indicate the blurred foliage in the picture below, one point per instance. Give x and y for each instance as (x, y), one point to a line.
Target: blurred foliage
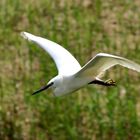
(84, 27)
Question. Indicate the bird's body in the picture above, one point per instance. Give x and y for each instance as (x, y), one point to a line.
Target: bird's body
(71, 76)
(63, 85)
(67, 84)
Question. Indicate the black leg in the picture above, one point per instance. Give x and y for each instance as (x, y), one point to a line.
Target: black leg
(104, 83)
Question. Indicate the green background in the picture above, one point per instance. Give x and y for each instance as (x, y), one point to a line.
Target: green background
(85, 28)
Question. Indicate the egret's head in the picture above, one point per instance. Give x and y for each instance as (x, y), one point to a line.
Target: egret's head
(53, 83)
(43, 88)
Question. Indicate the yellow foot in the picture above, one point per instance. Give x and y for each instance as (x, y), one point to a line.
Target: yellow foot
(110, 82)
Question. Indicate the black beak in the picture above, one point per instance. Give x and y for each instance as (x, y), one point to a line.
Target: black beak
(43, 88)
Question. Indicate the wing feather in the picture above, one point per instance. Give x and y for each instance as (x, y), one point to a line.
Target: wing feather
(65, 62)
(102, 62)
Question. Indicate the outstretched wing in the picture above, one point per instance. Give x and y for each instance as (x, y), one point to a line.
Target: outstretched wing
(101, 62)
(65, 62)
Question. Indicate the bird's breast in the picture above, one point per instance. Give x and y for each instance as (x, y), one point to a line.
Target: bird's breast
(69, 85)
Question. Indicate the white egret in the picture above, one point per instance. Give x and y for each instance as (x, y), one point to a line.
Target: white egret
(71, 76)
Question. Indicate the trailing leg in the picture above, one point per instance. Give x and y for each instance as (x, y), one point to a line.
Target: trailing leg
(109, 82)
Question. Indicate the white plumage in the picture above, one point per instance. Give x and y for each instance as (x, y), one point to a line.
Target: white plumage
(71, 76)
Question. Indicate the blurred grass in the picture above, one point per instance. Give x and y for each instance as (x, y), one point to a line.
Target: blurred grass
(84, 28)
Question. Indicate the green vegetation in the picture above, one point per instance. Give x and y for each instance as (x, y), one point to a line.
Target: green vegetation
(85, 28)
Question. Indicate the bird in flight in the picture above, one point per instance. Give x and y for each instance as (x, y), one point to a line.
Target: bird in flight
(71, 76)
